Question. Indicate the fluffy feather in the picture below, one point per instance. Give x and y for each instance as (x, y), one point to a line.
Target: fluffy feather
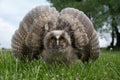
(29, 38)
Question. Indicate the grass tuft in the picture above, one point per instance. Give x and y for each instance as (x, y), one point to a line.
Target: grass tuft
(106, 67)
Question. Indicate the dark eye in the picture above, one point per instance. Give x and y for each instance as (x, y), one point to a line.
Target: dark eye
(62, 40)
(53, 39)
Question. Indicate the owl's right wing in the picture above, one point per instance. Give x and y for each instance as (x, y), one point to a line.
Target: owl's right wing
(29, 37)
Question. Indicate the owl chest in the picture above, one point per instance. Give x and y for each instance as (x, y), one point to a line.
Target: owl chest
(66, 57)
(57, 57)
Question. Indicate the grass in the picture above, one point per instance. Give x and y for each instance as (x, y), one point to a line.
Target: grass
(106, 67)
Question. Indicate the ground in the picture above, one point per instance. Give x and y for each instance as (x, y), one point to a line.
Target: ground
(106, 67)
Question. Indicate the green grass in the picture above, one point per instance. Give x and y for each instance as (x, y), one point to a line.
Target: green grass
(106, 67)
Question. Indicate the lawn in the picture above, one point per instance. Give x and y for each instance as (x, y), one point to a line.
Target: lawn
(106, 67)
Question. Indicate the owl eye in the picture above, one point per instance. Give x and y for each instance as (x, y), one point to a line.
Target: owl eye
(62, 40)
(52, 40)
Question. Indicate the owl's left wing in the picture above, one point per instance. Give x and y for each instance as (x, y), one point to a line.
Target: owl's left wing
(84, 37)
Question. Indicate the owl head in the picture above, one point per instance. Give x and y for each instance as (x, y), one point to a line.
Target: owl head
(57, 41)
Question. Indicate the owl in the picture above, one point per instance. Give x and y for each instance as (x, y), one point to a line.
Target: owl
(62, 37)
(58, 48)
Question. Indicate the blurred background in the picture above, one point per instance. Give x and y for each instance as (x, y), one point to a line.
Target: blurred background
(104, 14)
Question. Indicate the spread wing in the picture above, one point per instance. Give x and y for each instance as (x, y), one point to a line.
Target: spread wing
(28, 39)
(84, 37)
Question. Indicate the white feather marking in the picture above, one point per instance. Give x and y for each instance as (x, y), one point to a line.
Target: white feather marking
(57, 36)
(57, 42)
(58, 32)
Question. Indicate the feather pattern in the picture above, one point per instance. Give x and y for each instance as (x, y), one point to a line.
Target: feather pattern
(86, 35)
(29, 36)
(28, 39)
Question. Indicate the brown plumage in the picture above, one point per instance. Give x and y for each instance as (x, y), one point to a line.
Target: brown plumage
(29, 40)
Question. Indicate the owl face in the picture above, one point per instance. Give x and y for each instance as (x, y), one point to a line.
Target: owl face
(57, 41)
